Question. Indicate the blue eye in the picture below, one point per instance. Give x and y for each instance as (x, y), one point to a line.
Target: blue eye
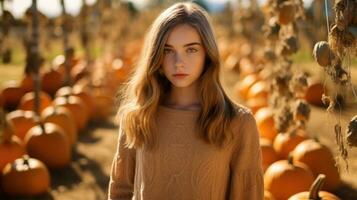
(191, 50)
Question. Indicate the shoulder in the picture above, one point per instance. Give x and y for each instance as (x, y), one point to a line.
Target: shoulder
(242, 115)
(243, 125)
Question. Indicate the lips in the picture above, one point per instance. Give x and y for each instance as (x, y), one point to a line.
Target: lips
(180, 75)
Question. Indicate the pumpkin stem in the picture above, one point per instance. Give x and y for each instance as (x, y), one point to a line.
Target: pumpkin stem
(25, 160)
(316, 139)
(42, 125)
(293, 131)
(55, 110)
(290, 159)
(316, 187)
(37, 118)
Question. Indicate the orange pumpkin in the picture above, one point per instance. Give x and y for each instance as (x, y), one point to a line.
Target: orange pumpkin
(28, 101)
(79, 71)
(64, 92)
(51, 81)
(11, 146)
(314, 93)
(121, 70)
(232, 63)
(80, 92)
(22, 121)
(25, 177)
(246, 67)
(77, 108)
(113, 83)
(27, 83)
(285, 178)
(63, 118)
(104, 103)
(58, 63)
(256, 104)
(265, 122)
(268, 153)
(315, 193)
(259, 89)
(11, 95)
(83, 84)
(86, 97)
(313, 153)
(242, 87)
(284, 143)
(268, 195)
(48, 143)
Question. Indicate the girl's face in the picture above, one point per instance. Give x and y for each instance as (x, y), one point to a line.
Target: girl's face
(184, 56)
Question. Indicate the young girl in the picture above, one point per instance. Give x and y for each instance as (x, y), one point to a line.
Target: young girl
(180, 136)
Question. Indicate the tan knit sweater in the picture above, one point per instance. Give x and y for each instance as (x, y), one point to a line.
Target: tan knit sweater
(183, 167)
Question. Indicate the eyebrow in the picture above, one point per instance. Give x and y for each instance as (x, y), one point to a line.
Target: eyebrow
(186, 45)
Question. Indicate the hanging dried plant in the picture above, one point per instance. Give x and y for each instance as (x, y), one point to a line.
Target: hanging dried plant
(288, 46)
(301, 111)
(328, 102)
(337, 73)
(286, 12)
(271, 30)
(284, 118)
(287, 87)
(341, 144)
(299, 84)
(352, 132)
(322, 53)
(269, 55)
(281, 84)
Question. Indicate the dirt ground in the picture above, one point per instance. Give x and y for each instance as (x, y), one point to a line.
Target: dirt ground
(88, 175)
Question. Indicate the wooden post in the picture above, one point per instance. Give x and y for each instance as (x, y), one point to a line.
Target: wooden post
(84, 30)
(34, 51)
(6, 21)
(67, 50)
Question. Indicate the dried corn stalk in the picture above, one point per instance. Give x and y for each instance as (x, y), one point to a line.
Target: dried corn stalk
(281, 32)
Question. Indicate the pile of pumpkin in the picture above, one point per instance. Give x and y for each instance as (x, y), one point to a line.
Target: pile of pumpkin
(293, 160)
(31, 142)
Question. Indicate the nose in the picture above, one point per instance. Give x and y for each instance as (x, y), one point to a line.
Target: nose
(179, 63)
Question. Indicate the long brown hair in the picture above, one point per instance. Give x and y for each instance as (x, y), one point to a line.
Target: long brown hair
(147, 88)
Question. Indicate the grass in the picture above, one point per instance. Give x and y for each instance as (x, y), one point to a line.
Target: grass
(14, 70)
(10, 72)
(303, 56)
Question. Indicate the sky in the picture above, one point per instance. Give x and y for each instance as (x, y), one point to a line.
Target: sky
(52, 8)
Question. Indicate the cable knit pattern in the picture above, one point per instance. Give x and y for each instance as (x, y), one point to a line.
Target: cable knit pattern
(183, 167)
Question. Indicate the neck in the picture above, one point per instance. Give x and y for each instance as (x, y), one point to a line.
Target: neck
(183, 98)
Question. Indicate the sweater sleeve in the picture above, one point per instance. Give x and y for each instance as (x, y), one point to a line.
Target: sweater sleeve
(246, 164)
(122, 172)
